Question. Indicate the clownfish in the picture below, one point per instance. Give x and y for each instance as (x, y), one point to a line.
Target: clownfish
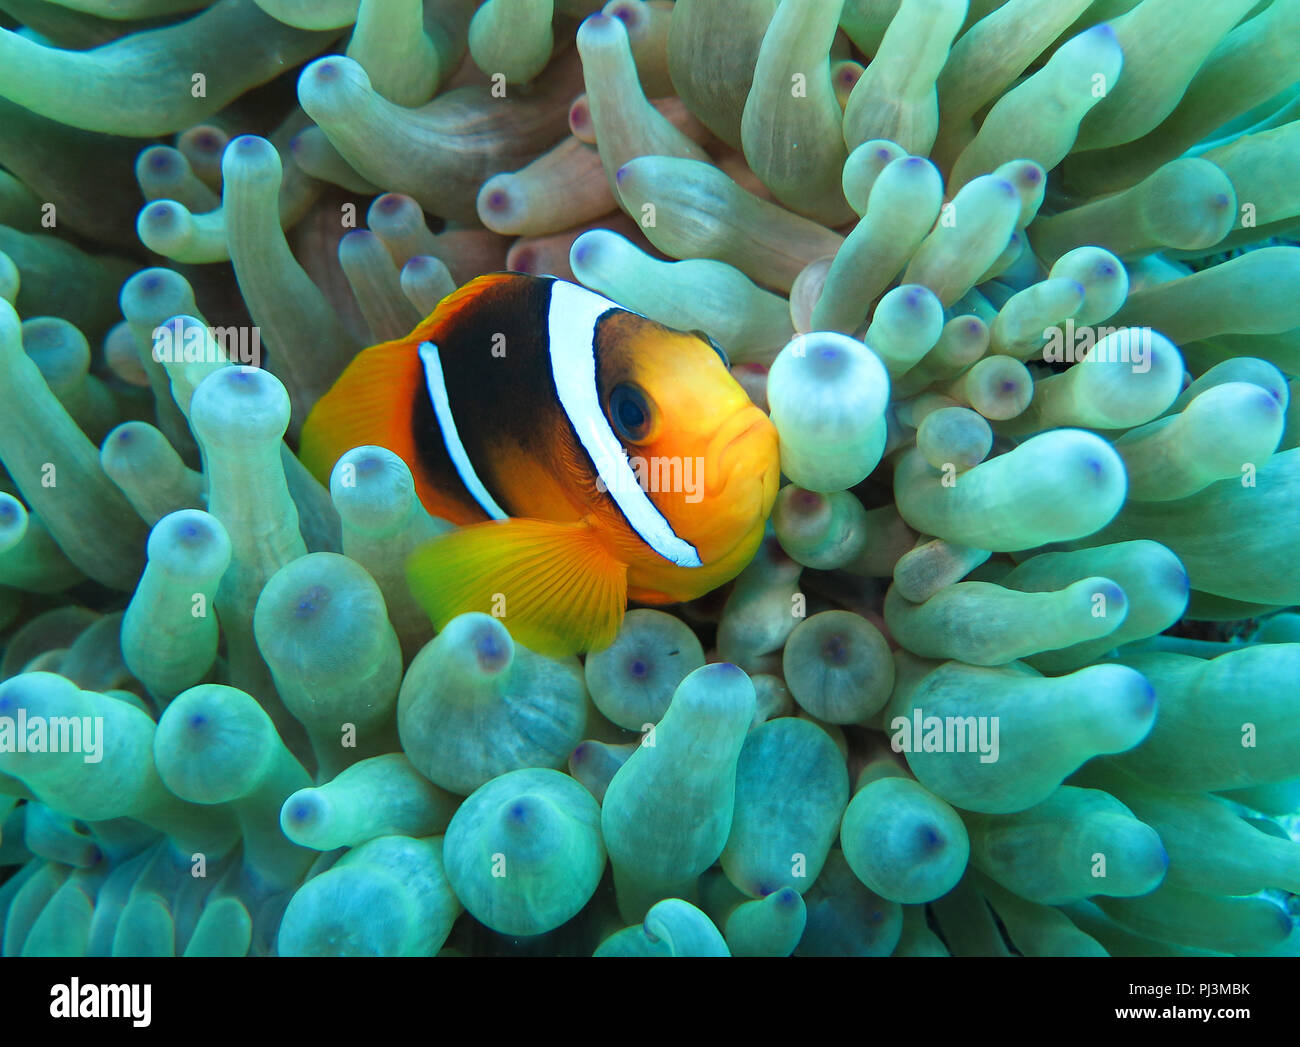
(591, 456)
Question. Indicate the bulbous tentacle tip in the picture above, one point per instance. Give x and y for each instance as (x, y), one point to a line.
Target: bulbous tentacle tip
(628, 13)
(148, 282)
(205, 139)
(1145, 702)
(160, 215)
(807, 502)
(370, 464)
(326, 70)
(249, 145)
(160, 159)
(522, 814)
(310, 602)
(330, 82)
(478, 640)
(725, 672)
(390, 203)
(598, 22)
(492, 649)
(250, 158)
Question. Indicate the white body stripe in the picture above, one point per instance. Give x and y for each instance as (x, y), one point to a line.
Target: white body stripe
(437, 385)
(572, 328)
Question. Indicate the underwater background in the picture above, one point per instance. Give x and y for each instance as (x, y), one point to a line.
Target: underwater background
(1016, 669)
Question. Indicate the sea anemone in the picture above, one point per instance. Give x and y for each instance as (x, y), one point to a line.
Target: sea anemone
(1019, 285)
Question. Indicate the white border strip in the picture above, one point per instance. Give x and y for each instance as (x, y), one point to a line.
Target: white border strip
(437, 384)
(572, 328)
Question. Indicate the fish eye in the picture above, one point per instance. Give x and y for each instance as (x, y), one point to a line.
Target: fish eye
(629, 411)
(722, 355)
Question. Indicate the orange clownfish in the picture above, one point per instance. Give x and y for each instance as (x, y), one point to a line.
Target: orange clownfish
(590, 454)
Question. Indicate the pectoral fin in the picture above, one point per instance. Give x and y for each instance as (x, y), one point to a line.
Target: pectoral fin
(553, 585)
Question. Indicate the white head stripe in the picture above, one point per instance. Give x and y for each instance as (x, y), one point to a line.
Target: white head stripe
(437, 384)
(572, 328)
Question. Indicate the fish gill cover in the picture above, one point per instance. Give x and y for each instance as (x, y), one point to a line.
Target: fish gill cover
(1012, 671)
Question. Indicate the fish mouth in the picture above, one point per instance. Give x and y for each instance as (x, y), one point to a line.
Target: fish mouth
(729, 446)
(753, 426)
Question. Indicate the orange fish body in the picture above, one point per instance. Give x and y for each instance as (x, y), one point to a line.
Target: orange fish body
(590, 454)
